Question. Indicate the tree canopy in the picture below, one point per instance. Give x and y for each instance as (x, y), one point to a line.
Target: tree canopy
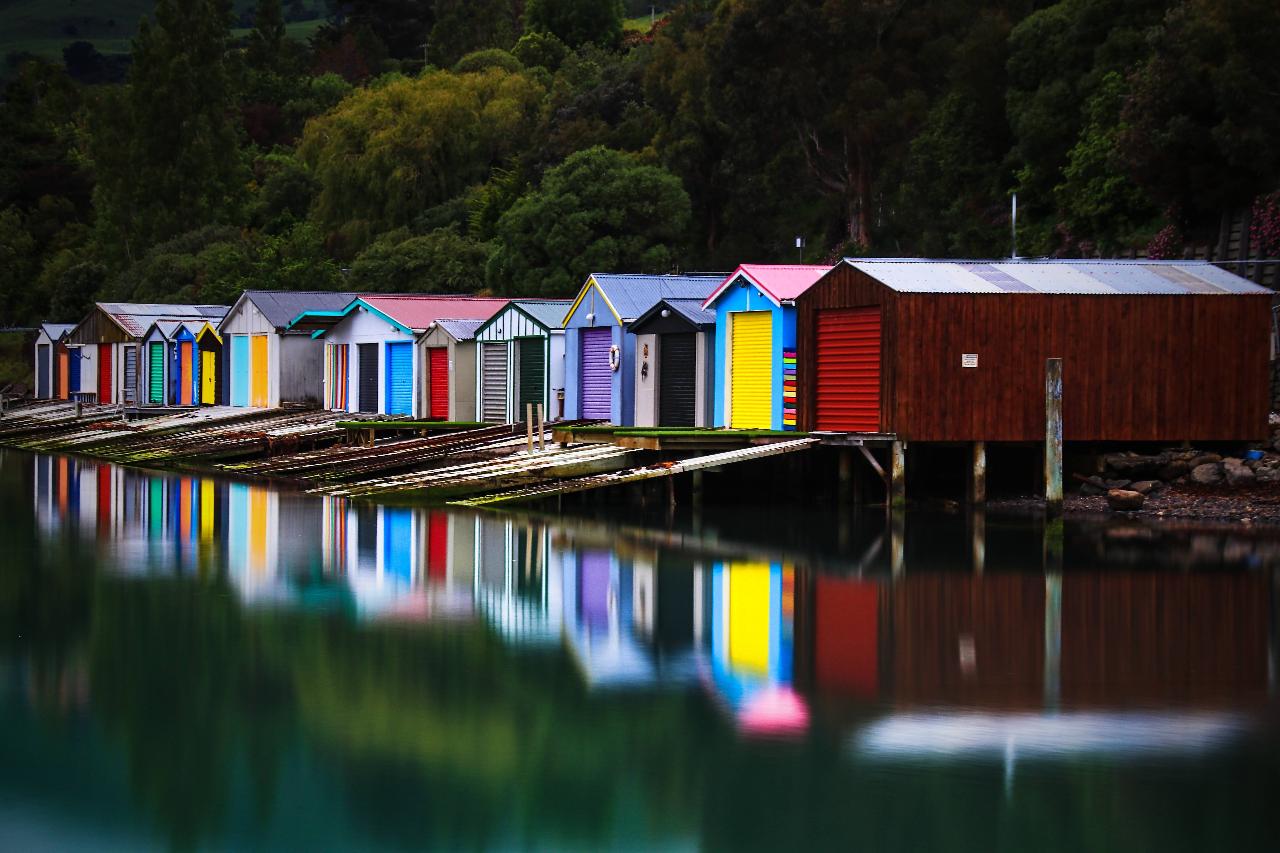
(518, 145)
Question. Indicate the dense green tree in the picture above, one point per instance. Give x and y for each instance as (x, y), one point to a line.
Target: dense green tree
(493, 57)
(386, 153)
(266, 40)
(164, 148)
(1058, 56)
(465, 26)
(1203, 116)
(439, 262)
(576, 22)
(542, 50)
(18, 264)
(599, 210)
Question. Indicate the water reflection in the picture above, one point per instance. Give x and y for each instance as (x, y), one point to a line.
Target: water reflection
(553, 682)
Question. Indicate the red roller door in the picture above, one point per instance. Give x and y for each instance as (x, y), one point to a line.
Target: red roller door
(438, 364)
(848, 368)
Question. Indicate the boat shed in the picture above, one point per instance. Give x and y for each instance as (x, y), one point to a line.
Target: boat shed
(450, 359)
(51, 361)
(213, 364)
(674, 372)
(109, 339)
(942, 351)
(755, 384)
(600, 354)
(170, 374)
(269, 363)
(520, 360)
(372, 359)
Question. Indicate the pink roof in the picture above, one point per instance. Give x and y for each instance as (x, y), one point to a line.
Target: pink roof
(777, 281)
(419, 312)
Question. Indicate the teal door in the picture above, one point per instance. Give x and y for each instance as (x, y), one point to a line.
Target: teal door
(239, 370)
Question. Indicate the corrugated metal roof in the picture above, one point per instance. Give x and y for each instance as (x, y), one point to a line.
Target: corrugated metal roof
(460, 330)
(55, 331)
(632, 295)
(548, 312)
(281, 306)
(779, 282)
(136, 317)
(690, 309)
(1082, 277)
(419, 312)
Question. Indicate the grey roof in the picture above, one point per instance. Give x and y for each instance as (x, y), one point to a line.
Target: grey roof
(632, 295)
(136, 317)
(1082, 277)
(690, 309)
(281, 306)
(54, 331)
(548, 312)
(460, 330)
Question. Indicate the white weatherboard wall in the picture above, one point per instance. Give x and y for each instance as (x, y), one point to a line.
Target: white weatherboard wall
(362, 326)
(507, 327)
(646, 380)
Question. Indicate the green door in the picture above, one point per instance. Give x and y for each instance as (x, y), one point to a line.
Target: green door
(533, 364)
(155, 374)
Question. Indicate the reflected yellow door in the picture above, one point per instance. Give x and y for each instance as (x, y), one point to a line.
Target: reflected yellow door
(751, 370)
(206, 510)
(208, 378)
(258, 371)
(749, 616)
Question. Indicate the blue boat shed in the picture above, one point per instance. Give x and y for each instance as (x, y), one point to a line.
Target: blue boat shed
(600, 353)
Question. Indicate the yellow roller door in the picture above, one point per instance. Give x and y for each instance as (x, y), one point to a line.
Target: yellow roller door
(258, 371)
(751, 369)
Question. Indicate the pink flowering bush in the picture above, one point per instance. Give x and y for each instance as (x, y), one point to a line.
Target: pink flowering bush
(1264, 232)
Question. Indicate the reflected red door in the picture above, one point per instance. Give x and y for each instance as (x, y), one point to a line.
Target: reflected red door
(437, 546)
(847, 636)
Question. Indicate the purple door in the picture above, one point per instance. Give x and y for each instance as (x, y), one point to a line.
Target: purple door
(597, 378)
(594, 578)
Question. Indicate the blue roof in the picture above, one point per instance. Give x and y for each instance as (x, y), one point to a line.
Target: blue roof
(548, 312)
(689, 309)
(632, 295)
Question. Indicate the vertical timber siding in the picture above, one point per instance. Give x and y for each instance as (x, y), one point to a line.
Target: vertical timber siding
(1135, 368)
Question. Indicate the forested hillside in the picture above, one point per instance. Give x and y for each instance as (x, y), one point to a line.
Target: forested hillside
(513, 146)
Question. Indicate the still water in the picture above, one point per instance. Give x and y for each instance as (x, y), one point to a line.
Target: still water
(200, 664)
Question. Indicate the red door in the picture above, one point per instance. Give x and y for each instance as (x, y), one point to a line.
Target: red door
(438, 364)
(848, 368)
(104, 373)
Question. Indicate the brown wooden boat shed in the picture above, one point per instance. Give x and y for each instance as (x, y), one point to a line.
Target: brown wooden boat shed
(944, 351)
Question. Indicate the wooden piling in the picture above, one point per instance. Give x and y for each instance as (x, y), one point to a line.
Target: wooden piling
(542, 430)
(898, 475)
(1053, 436)
(978, 532)
(1052, 640)
(844, 484)
(528, 426)
(978, 474)
(897, 540)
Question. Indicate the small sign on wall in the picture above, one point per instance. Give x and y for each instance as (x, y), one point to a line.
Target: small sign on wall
(969, 359)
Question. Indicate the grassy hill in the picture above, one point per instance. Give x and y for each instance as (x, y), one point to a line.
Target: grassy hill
(45, 27)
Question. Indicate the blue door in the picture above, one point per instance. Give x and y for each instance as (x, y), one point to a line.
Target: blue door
(239, 370)
(73, 356)
(400, 379)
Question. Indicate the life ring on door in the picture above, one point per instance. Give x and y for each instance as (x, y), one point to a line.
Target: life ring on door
(615, 358)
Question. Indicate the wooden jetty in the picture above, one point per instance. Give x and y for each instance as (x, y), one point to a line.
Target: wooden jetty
(388, 458)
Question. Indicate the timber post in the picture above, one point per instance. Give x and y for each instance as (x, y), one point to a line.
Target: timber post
(528, 426)
(978, 474)
(897, 540)
(542, 430)
(898, 475)
(79, 404)
(1052, 639)
(978, 531)
(1053, 435)
(844, 484)
(696, 489)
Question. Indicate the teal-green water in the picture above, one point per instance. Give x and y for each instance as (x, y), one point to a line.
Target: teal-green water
(191, 664)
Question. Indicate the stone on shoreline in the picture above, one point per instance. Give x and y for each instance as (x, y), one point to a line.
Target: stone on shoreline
(1146, 487)
(1204, 459)
(1237, 473)
(1175, 469)
(1124, 500)
(1207, 474)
